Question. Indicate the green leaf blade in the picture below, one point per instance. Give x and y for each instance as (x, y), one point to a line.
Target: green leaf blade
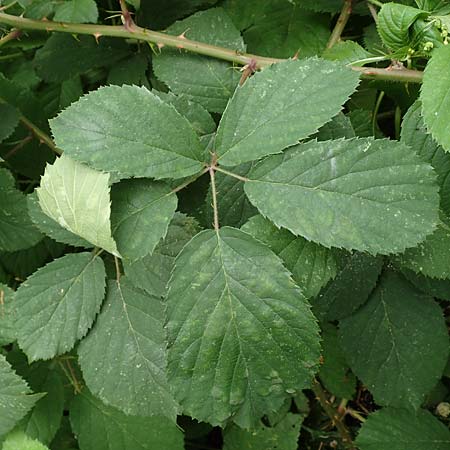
(155, 140)
(272, 110)
(58, 304)
(353, 194)
(232, 329)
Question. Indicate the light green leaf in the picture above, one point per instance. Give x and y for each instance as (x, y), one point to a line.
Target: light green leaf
(58, 303)
(18, 440)
(207, 81)
(335, 373)
(130, 330)
(141, 212)
(311, 265)
(272, 110)
(77, 11)
(7, 328)
(16, 229)
(116, 431)
(16, 398)
(234, 207)
(77, 198)
(155, 141)
(435, 96)
(357, 276)
(283, 436)
(393, 24)
(152, 272)
(10, 120)
(431, 257)
(402, 429)
(397, 343)
(235, 322)
(348, 52)
(353, 193)
(415, 135)
(50, 227)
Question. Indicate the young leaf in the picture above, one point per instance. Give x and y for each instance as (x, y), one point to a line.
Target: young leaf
(431, 257)
(57, 304)
(415, 135)
(387, 343)
(16, 398)
(393, 24)
(273, 110)
(141, 213)
(101, 427)
(19, 440)
(77, 11)
(123, 358)
(148, 139)
(357, 277)
(401, 429)
(235, 322)
(354, 194)
(282, 436)
(311, 265)
(77, 197)
(7, 328)
(435, 96)
(152, 272)
(51, 227)
(10, 119)
(207, 81)
(347, 52)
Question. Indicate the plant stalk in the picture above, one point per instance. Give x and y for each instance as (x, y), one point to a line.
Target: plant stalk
(181, 42)
(13, 34)
(341, 23)
(333, 415)
(40, 135)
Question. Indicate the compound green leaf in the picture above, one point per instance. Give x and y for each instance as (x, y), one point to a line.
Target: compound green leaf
(16, 398)
(435, 96)
(101, 427)
(155, 140)
(17, 231)
(10, 119)
(58, 303)
(311, 265)
(207, 81)
(273, 109)
(282, 436)
(50, 227)
(77, 198)
(234, 207)
(393, 24)
(141, 212)
(241, 335)
(431, 257)
(415, 135)
(7, 328)
(77, 11)
(152, 272)
(397, 343)
(123, 358)
(354, 194)
(19, 440)
(402, 429)
(356, 278)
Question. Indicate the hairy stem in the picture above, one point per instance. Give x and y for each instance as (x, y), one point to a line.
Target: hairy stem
(341, 23)
(181, 42)
(333, 415)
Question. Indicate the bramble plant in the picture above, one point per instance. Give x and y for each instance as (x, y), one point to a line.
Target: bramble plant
(224, 225)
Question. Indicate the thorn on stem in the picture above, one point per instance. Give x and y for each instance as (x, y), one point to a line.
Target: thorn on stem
(247, 70)
(97, 36)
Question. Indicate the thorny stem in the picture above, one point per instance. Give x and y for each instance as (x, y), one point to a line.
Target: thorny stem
(340, 24)
(128, 21)
(333, 415)
(214, 198)
(181, 42)
(14, 34)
